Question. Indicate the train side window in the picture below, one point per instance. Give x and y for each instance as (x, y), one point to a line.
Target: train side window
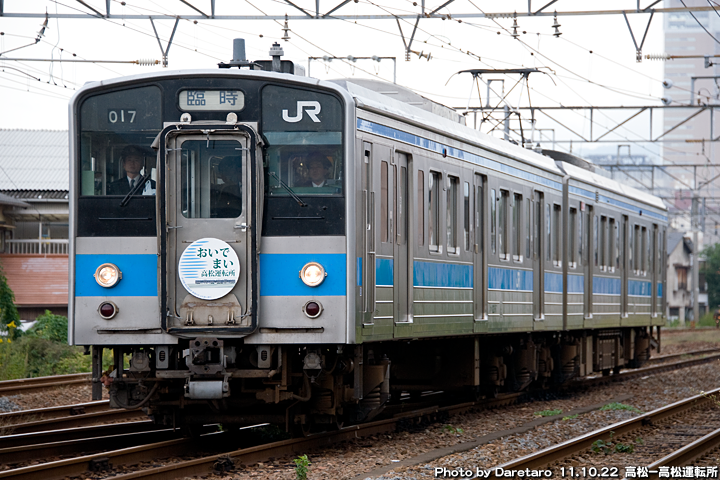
(466, 215)
(502, 225)
(660, 249)
(557, 211)
(572, 230)
(434, 211)
(493, 220)
(383, 201)
(631, 249)
(517, 227)
(603, 242)
(645, 251)
(581, 250)
(451, 217)
(596, 233)
(548, 244)
(479, 219)
(612, 245)
(618, 244)
(421, 208)
(528, 228)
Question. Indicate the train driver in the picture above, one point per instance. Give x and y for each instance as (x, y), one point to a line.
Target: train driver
(132, 159)
(319, 168)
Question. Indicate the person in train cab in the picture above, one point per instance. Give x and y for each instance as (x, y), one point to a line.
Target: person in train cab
(318, 170)
(132, 159)
(228, 198)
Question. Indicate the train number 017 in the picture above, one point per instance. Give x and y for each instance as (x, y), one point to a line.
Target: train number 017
(122, 116)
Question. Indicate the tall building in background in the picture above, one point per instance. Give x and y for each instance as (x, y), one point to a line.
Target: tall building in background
(690, 143)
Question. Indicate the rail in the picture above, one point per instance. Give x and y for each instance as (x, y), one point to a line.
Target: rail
(37, 246)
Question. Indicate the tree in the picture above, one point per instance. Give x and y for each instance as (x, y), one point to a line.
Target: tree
(9, 316)
(711, 270)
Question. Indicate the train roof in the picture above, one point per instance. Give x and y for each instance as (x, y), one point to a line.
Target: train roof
(376, 100)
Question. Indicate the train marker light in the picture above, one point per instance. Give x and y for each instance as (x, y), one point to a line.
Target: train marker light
(312, 309)
(107, 275)
(108, 310)
(313, 274)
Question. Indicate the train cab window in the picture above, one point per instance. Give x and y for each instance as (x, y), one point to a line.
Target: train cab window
(303, 159)
(493, 220)
(502, 225)
(452, 213)
(466, 215)
(434, 211)
(572, 232)
(421, 208)
(517, 227)
(211, 179)
(116, 130)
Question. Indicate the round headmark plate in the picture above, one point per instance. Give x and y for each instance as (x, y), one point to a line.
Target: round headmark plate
(209, 268)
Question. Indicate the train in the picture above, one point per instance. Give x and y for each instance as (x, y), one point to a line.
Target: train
(257, 246)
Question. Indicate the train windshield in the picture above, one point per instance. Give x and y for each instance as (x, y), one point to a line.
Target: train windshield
(304, 133)
(117, 129)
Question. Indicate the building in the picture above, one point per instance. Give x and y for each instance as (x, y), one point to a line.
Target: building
(679, 278)
(34, 217)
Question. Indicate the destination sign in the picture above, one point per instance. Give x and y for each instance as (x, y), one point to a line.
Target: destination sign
(212, 100)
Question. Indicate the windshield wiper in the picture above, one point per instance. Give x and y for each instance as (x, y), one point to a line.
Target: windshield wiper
(289, 190)
(134, 190)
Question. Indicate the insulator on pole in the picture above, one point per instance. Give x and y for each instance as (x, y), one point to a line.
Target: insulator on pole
(514, 33)
(147, 62)
(556, 26)
(658, 56)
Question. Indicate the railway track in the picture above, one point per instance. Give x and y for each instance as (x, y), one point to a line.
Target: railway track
(23, 385)
(157, 444)
(542, 459)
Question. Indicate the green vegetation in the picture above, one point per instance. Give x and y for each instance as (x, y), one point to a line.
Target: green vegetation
(452, 430)
(570, 417)
(619, 406)
(301, 467)
(548, 413)
(41, 351)
(711, 270)
(606, 448)
(9, 316)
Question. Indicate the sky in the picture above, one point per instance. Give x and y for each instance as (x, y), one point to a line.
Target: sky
(591, 63)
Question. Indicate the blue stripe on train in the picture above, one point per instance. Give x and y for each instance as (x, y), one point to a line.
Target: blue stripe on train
(139, 275)
(280, 274)
(510, 279)
(639, 288)
(553, 283)
(607, 286)
(442, 275)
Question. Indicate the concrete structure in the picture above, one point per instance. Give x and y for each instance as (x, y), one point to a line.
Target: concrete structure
(34, 219)
(679, 278)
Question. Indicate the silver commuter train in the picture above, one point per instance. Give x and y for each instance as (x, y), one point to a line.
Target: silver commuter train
(232, 285)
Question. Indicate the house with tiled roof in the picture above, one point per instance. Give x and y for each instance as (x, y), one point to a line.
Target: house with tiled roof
(34, 217)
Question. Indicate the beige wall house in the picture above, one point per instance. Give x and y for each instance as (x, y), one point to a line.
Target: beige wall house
(34, 186)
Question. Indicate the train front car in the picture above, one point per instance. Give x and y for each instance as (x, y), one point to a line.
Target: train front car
(209, 246)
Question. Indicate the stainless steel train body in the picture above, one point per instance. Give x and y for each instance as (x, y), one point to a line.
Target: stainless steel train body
(432, 256)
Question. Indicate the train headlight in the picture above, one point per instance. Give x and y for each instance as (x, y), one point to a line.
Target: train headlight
(312, 274)
(107, 275)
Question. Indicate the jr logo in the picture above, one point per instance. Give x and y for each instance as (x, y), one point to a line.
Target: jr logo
(311, 107)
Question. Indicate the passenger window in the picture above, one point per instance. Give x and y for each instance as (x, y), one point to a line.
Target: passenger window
(502, 225)
(383, 201)
(572, 231)
(557, 260)
(434, 211)
(517, 228)
(549, 245)
(451, 217)
(421, 208)
(528, 223)
(581, 236)
(645, 251)
(466, 215)
(603, 242)
(493, 220)
(596, 234)
(612, 244)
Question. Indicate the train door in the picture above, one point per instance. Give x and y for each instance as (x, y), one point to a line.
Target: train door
(539, 246)
(368, 236)
(211, 228)
(383, 173)
(479, 251)
(625, 267)
(591, 253)
(402, 264)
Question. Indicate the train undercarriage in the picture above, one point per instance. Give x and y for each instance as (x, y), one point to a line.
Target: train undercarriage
(213, 380)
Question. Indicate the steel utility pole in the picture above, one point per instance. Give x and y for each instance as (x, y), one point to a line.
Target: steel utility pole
(694, 222)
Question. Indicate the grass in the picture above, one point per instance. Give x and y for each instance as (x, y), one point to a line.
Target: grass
(548, 413)
(615, 406)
